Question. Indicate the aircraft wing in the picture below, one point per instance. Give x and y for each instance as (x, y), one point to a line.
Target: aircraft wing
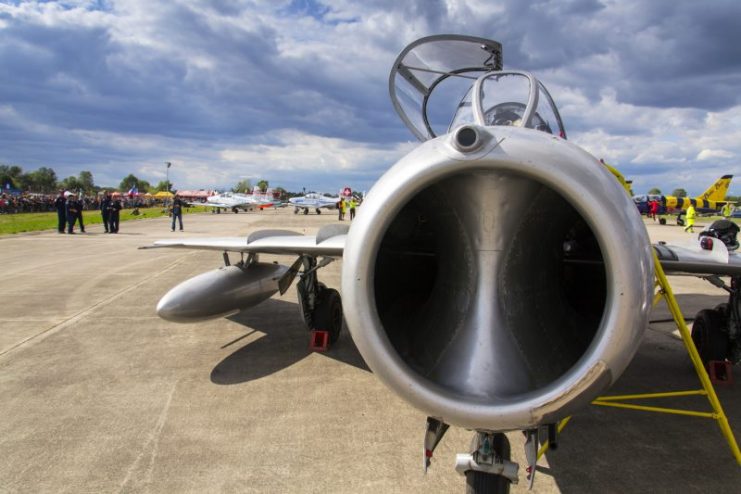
(693, 259)
(329, 241)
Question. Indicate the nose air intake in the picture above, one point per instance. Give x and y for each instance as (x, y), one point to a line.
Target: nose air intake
(494, 292)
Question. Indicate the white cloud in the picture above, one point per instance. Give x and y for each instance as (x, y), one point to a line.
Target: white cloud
(297, 151)
(297, 90)
(709, 154)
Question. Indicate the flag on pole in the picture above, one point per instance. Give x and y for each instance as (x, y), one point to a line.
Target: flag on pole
(133, 191)
(169, 164)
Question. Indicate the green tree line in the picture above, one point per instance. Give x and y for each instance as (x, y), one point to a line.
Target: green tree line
(45, 181)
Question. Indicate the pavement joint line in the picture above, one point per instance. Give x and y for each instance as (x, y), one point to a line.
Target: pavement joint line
(85, 257)
(80, 315)
(151, 447)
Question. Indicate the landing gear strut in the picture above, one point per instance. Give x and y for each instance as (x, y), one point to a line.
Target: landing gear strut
(487, 468)
(321, 307)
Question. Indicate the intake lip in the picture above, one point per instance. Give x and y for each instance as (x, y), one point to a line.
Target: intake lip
(518, 160)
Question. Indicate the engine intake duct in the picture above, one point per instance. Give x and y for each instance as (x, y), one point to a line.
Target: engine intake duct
(492, 288)
(489, 297)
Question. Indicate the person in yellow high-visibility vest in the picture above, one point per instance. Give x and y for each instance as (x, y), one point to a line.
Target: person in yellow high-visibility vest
(726, 210)
(691, 213)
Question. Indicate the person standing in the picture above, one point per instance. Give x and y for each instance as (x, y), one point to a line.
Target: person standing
(71, 213)
(105, 210)
(177, 212)
(353, 205)
(654, 209)
(726, 210)
(60, 204)
(113, 215)
(79, 204)
(341, 209)
(690, 219)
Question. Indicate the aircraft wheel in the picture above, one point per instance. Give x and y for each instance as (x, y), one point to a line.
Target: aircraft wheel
(662, 221)
(295, 210)
(488, 483)
(306, 211)
(318, 211)
(708, 336)
(235, 210)
(328, 313)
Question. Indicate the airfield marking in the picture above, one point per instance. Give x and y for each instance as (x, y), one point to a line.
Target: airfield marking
(154, 441)
(80, 315)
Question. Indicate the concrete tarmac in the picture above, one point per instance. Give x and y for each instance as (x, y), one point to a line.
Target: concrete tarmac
(100, 395)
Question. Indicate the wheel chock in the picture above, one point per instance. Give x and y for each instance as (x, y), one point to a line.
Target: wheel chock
(319, 340)
(720, 372)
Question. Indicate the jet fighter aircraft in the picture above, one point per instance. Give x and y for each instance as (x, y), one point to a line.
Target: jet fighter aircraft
(710, 201)
(486, 289)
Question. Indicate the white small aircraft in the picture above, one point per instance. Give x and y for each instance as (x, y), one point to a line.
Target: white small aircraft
(313, 201)
(236, 201)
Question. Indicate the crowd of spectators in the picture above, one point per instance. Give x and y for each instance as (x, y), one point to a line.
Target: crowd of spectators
(42, 203)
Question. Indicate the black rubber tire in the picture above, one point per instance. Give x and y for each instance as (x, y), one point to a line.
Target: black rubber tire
(722, 310)
(306, 210)
(328, 313)
(711, 342)
(487, 483)
(662, 221)
(318, 211)
(295, 211)
(236, 211)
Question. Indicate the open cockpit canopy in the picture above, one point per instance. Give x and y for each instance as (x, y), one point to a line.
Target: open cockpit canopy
(440, 82)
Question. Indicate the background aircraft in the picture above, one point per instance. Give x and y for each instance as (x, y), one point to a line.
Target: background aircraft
(313, 201)
(236, 201)
(709, 201)
(485, 289)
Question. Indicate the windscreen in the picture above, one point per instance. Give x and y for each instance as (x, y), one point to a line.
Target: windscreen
(445, 64)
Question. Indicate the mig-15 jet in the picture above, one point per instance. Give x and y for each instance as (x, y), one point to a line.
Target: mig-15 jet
(482, 284)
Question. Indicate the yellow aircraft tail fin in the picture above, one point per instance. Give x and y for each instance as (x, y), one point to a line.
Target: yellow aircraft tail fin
(717, 191)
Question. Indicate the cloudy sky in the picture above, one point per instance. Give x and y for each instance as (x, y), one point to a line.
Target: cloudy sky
(295, 92)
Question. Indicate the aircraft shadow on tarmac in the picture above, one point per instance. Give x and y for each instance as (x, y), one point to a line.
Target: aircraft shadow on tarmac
(601, 450)
(285, 342)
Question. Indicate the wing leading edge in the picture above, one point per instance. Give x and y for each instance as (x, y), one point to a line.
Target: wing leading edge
(329, 241)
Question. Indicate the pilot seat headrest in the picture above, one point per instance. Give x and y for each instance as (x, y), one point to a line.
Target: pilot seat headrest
(724, 230)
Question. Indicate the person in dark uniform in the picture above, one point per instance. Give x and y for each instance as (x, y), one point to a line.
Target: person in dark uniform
(79, 206)
(71, 213)
(177, 212)
(113, 215)
(60, 204)
(105, 211)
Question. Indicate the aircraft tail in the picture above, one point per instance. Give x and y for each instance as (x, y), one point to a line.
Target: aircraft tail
(717, 191)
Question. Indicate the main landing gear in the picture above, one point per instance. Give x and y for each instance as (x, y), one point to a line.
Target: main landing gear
(321, 307)
(717, 332)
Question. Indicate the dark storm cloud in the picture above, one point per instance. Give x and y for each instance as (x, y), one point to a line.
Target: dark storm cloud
(109, 84)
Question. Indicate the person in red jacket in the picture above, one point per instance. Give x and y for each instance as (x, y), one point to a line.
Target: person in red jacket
(654, 209)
